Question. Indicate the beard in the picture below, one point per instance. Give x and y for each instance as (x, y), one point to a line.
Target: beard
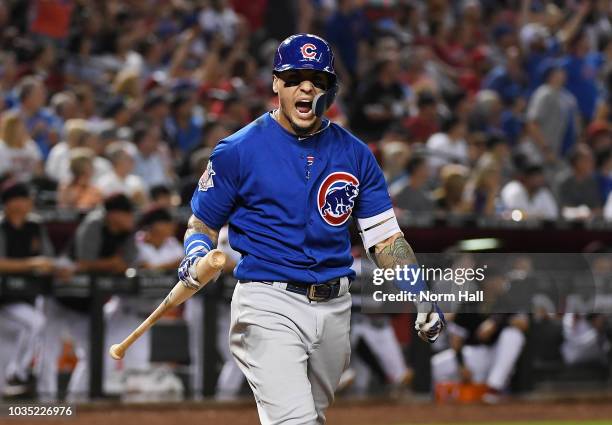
(298, 129)
(302, 131)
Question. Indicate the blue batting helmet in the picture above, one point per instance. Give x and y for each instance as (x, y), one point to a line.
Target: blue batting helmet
(308, 51)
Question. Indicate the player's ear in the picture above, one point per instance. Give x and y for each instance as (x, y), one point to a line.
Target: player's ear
(275, 84)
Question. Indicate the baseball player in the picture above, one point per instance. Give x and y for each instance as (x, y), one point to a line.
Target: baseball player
(25, 249)
(287, 185)
(483, 349)
(103, 243)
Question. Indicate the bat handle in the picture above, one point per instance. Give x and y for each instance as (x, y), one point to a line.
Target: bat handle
(210, 265)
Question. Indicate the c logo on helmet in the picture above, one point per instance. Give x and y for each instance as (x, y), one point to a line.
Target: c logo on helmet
(336, 197)
(309, 51)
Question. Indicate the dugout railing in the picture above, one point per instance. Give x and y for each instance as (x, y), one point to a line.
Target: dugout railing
(426, 234)
(97, 289)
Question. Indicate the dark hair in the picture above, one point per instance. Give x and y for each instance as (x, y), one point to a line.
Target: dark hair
(398, 130)
(449, 123)
(14, 189)
(380, 65)
(603, 41)
(118, 202)
(113, 107)
(602, 157)
(526, 166)
(75, 42)
(414, 162)
(144, 46)
(453, 98)
(532, 169)
(232, 100)
(239, 67)
(547, 67)
(179, 98)
(158, 191)
(155, 215)
(579, 151)
(153, 99)
(493, 140)
(140, 131)
(426, 98)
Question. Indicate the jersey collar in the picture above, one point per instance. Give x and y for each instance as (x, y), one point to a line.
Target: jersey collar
(325, 124)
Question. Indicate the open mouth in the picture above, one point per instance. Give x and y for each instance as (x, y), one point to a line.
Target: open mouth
(303, 107)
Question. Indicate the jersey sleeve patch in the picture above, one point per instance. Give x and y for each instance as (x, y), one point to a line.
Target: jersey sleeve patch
(206, 181)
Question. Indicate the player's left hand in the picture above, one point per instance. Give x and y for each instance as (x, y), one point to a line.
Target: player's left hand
(429, 324)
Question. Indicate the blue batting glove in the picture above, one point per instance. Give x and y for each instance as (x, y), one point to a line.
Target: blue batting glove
(187, 269)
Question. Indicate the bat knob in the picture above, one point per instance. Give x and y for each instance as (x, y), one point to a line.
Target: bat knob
(116, 352)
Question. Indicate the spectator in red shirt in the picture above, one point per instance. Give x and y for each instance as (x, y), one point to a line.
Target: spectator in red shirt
(51, 18)
(425, 123)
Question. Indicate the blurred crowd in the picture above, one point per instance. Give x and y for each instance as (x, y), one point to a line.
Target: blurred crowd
(493, 108)
(111, 108)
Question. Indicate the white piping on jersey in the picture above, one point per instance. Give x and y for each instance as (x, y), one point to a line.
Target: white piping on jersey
(326, 123)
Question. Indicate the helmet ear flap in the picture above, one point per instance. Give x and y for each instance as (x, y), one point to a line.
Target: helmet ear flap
(323, 101)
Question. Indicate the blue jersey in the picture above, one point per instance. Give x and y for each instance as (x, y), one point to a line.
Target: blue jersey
(288, 199)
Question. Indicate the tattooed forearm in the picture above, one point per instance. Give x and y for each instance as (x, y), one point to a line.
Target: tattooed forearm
(194, 225)
(393, 252)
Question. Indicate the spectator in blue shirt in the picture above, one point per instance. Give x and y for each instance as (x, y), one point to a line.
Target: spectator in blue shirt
(184, 127)
(42, 124)
(346, 30)
(511, 83)
(508, 80)
(581, 75)
(538, 46)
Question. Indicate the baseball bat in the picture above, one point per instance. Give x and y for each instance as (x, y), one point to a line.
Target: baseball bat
(206, 269)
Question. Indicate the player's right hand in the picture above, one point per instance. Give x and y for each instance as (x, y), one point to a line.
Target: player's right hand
(187, 269)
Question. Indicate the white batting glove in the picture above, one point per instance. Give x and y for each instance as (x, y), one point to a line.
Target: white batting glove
(429, 324)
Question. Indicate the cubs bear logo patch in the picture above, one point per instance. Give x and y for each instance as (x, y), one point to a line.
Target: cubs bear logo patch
(206, 181)
(336, 197)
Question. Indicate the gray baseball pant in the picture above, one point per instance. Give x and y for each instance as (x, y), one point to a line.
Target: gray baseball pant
(291, 350)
